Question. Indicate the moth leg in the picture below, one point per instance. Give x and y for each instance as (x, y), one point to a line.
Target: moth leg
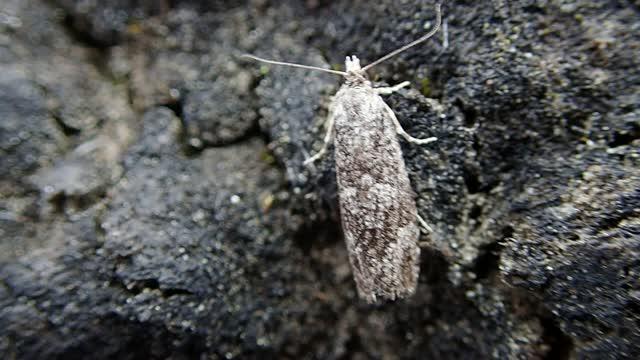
(400, 130)
(327, 140)
(426, 229)
(391, 89)
(424, 224)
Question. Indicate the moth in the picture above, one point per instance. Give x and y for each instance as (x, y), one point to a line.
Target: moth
(377, 207)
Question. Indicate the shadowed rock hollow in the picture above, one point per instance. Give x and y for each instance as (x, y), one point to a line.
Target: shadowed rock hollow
(154, 204)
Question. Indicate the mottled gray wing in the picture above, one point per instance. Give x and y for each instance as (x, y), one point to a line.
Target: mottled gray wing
(377, 206)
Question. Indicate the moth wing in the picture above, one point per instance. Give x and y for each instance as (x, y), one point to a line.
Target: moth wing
(378, 211)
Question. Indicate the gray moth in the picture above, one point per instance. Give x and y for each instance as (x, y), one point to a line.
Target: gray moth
(377, 207)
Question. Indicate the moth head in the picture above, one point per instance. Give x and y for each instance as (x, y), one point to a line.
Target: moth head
(355, 74)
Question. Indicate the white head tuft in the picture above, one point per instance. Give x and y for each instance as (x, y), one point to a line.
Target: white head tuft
(352, 63)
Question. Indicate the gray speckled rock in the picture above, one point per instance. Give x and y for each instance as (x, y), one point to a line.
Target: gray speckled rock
(64, 126)
(220, 115)
(28, 136)
(293, 113)
(580, 249)
(197, 72)
(234, 251)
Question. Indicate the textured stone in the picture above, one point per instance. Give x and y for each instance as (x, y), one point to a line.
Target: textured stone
(208, 237)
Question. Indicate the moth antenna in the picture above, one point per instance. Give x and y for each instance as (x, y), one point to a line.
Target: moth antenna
(411, 44)
(342, 73)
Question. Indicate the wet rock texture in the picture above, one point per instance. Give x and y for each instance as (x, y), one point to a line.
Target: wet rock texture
(153, 201)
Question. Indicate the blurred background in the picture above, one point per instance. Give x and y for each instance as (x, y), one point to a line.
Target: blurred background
(154, 204)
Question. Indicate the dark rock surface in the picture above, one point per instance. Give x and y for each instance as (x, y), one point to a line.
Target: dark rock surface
(153, 201)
